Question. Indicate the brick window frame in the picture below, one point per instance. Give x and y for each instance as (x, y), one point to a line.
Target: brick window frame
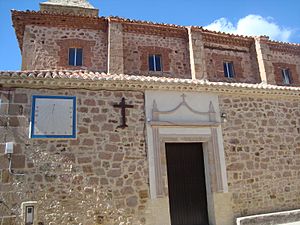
(218, 61)
(294, 76)
(63, 53)
(146, 51)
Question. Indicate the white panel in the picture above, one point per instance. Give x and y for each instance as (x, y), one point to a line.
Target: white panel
(53, 116)
(185, 131)
(167, 100)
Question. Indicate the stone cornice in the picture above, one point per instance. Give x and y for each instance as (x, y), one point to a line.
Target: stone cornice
(97, 81)
(20, 19)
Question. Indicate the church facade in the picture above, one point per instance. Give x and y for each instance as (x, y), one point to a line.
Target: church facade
(117, 121)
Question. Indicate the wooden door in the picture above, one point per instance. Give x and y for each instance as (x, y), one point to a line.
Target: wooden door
(186, 183)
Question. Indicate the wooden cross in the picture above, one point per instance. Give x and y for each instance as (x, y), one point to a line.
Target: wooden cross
(123, 107)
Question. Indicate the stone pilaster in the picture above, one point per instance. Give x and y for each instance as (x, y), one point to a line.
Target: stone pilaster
(197, 55)
(28, 51)
(263, 58)
(115, 48)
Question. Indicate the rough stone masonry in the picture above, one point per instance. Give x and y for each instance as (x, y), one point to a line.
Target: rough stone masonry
(102, 175)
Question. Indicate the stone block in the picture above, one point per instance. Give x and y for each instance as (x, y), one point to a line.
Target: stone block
(3, 162)
(89, 102)
(20, 98)
(99, 118)
(15, 109)
(105, 155)
(82, 160)
(5, 177)
(132, 201)
(87, 169)
(18, 161)
(118, 156)
(114, 173)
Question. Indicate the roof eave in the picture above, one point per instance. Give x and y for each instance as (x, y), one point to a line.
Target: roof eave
(99, 81)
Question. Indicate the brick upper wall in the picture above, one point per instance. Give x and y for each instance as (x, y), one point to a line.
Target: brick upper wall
(45, 38)
(285, 60)
(47, 48)
(244, 62)
(174, 52)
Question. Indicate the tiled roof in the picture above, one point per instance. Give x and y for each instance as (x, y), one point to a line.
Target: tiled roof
(95, 80)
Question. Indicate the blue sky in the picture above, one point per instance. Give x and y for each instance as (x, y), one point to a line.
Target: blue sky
(280, 19)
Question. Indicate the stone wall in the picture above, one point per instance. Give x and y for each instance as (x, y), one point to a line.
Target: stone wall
(46, 48)
(174, 52)
(101, 173)
(261, 141)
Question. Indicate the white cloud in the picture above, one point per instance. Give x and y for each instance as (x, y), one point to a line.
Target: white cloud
(252, 25)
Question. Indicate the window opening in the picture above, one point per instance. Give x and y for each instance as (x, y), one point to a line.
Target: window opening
(286, 76)
(75, 57)
(228, 69)
(155, 63)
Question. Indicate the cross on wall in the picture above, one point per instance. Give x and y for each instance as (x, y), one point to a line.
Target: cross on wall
(123, 107)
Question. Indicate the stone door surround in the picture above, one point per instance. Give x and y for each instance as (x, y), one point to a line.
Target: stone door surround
(206, 130)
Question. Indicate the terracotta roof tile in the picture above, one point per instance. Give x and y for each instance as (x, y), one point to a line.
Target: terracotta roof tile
(80, 75)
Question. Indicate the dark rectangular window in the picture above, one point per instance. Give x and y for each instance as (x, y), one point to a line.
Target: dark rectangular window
(286, 76)
(75, 56)
(72, 56)
(228, 69)
(155, 63)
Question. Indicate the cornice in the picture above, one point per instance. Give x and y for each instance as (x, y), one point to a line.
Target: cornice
(284, 47)
(151, 28)
(98, 81)
(227, 39)
(20, 19)
(157, 30)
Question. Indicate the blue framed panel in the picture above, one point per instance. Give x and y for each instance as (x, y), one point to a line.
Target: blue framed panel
(53, 117)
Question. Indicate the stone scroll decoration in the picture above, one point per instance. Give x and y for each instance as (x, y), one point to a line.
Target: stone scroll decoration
(219, 183)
